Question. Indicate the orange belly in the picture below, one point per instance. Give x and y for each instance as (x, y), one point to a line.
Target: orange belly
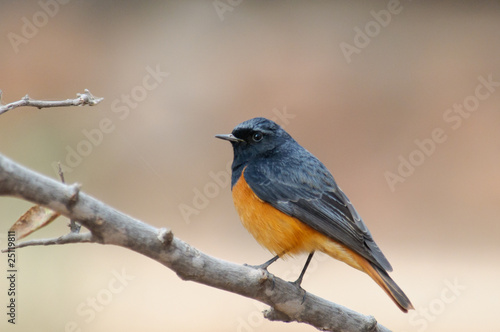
(280, 233)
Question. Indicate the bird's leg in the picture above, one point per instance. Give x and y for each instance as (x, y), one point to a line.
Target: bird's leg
(299, 279)
(266, 264)
(269, 262)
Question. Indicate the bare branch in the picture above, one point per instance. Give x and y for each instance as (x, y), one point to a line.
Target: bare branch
(109, 226)
(85, 98)
(65, 239)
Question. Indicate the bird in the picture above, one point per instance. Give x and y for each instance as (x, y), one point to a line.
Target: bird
(289, 201)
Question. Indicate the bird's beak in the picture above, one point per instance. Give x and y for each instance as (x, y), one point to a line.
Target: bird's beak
(229, 137)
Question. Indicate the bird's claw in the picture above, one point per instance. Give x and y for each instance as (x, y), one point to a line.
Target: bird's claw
(297, 283)
(263, 267)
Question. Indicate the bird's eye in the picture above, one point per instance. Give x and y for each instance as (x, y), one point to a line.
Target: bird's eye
(257, 137)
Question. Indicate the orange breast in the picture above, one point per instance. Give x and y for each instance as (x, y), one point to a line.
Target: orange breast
(273, 229)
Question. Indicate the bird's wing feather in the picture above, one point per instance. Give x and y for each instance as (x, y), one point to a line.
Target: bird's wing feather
(310, 194)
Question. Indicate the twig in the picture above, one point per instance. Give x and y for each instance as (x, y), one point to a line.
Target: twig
(73, 225)
(109, 226)
(85, 98)
(65, 239)
(60, 172)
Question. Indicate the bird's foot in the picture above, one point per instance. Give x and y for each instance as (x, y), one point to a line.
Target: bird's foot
(297, 283)
(258, 267)
(268, 275)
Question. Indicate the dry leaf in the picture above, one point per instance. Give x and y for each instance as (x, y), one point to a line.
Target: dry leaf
(34, 219)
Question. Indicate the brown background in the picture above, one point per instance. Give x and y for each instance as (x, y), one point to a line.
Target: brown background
(438, 228)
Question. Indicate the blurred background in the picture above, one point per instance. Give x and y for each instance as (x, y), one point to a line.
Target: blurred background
(400, 100)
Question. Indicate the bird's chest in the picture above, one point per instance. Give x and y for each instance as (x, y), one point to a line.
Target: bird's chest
(278, 232)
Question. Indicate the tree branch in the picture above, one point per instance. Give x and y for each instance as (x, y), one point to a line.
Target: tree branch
(109, 226)
(85, 98)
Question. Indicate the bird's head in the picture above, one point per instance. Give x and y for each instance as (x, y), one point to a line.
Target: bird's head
(256, 138)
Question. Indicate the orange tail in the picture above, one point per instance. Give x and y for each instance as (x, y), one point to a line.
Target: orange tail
(388, 285)
(346, 255)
